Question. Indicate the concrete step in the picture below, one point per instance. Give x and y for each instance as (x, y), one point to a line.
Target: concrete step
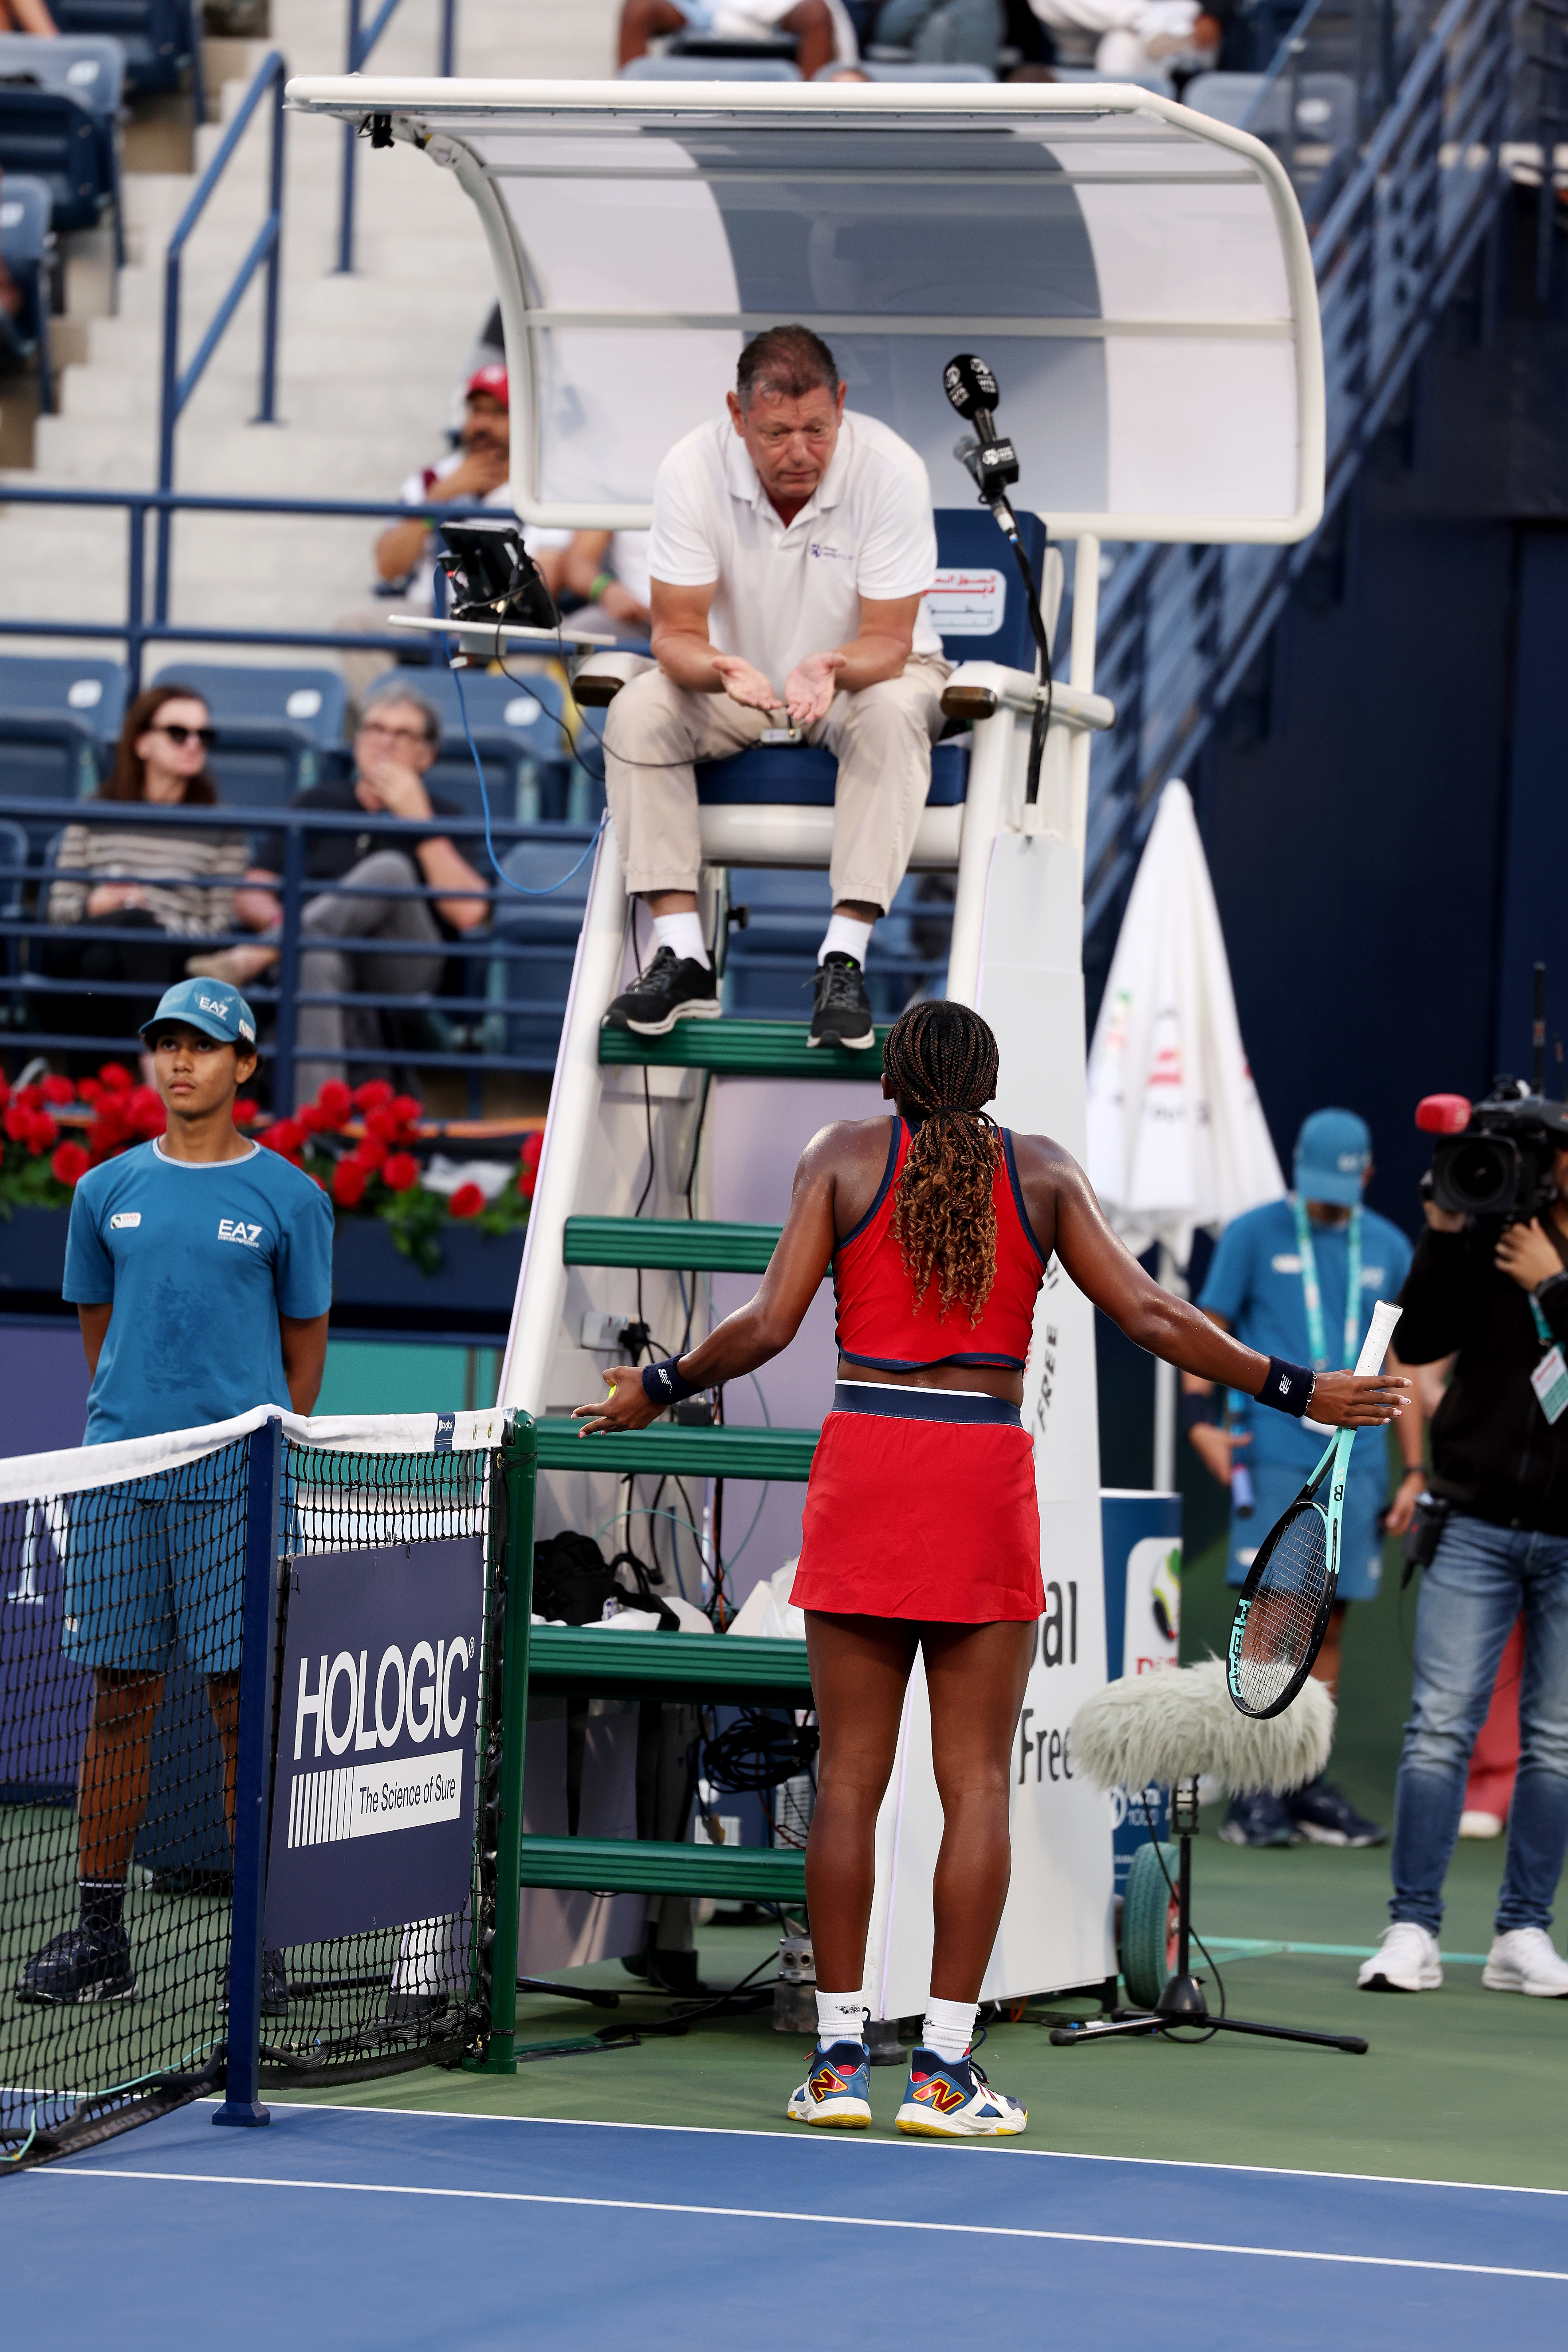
(251, 460)
(382, 404)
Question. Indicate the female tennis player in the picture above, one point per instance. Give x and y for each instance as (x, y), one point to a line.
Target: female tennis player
(921, 1530)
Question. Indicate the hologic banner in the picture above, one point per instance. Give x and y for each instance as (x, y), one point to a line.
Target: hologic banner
(372, 1789)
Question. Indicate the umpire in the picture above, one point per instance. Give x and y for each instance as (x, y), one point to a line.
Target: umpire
(1500, 1454)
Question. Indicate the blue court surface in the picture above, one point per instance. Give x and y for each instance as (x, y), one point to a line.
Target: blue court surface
(365, 2226)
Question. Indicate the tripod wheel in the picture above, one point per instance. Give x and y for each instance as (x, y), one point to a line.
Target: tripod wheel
(1149, 1925)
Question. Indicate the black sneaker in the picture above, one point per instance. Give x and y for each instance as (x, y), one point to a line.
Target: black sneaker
(841, 1013)
(673, 988)
(1326, 1818)
(274, 1985)
(1258, 1818)
(83, 1964)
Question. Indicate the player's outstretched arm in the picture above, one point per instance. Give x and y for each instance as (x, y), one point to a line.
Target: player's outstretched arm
(1106, 1271)
(764, 1327)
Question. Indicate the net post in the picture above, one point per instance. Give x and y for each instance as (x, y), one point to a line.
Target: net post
(253, 1779)
(512, 1560)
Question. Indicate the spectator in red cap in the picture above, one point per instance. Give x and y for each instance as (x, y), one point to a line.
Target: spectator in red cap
(475, 474)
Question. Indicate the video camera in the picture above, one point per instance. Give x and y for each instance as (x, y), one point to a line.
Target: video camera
(493, 577)
(1495, 1156)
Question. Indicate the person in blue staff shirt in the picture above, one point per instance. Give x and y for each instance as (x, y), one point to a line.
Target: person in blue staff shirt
(201, 1269)
(1299, 1278)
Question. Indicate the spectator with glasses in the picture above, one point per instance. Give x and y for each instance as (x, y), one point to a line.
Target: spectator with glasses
(165, 884)
(382, 865)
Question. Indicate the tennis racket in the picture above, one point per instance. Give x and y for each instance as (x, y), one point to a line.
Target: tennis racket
(1283, 1612)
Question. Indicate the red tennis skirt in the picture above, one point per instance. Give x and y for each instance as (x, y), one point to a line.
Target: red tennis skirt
(918, 1507)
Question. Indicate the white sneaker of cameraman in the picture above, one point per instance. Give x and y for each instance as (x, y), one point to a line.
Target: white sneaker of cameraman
(1525, 1960)
(1407, 1960)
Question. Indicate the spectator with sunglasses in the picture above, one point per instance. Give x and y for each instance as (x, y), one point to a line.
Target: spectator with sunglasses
(130, 900)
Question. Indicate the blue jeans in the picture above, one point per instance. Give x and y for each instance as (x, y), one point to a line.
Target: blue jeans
(1480, 1580)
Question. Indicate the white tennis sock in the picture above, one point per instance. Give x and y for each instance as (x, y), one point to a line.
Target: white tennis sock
(683, 934)
(846, 936)
(948, 2027)
(841, 2017)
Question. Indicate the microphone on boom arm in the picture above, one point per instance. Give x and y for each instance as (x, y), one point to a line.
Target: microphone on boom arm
(992, 463)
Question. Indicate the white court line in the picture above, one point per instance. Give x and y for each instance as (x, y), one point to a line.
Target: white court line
(826, 2139)
(815, 2221)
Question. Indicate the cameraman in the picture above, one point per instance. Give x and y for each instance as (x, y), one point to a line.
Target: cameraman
(1500, 1452)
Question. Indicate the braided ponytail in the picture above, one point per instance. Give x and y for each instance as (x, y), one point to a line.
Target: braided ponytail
(942, 1059)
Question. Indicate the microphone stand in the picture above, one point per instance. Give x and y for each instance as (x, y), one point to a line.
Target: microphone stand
(993, 495)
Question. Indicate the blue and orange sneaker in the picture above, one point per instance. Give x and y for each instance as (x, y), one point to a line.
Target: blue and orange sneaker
(948, 2098)
(838, 2090)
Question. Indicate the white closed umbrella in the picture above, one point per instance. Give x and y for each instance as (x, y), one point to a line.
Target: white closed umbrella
(1177, 1138)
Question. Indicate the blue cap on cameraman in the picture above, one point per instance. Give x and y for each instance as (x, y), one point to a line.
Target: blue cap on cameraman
(1333, 1152)
(209, 1006)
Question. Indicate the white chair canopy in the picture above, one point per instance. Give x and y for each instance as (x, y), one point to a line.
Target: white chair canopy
(1137, 275)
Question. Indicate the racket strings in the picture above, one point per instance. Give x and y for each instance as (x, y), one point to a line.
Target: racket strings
(1283, 1620)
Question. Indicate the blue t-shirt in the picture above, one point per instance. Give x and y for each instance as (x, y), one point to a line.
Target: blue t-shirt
(198, 1259)
(1255, 1282)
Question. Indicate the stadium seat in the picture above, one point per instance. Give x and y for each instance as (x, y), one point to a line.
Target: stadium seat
(772, 957)
(701, 68)
(1325, 105)
(13, 861)
(59, 721)
(277, 728)
(27, 247)
(533, 984)
(157, 37)
(59, 122)
(1324, 139)
(519, 733)
(976, 579)
(910, 69)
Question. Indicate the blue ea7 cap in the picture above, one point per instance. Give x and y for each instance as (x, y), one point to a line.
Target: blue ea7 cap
(1333, 1152)
(208, 1006)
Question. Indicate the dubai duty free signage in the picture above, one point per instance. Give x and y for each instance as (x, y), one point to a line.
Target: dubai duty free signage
(372, 1788)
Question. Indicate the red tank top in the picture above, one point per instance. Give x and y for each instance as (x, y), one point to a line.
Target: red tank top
(878, 1323)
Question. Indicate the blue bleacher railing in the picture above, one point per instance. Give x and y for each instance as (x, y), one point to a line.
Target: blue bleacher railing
(142, 628)
(361, 40)
(485, 1024)
(267, 248)
(1179, 625)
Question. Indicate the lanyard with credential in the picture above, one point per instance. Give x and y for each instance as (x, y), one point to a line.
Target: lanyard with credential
(1317, 1338)
(1549, 1377)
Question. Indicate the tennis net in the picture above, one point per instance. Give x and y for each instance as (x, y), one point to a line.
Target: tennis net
(250, 1685)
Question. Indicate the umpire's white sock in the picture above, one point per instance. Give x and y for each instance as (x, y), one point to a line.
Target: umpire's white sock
(683, 935)
(844, 935)
(948, 2027)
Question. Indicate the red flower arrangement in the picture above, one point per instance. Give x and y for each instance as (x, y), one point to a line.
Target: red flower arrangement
(360, 1144)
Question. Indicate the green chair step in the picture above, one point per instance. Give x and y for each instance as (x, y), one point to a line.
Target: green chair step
(738, 1873)
(674, 1452)
(743, 1049)
(681, 1243)
(724, 1669)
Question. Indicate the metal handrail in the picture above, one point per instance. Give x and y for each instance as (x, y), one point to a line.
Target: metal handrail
(360, 44)
(282, 994)
(177, 388)
(136, 632)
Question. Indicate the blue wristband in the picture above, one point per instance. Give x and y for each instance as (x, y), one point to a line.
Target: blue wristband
(1289, 1387)
(662, 1383)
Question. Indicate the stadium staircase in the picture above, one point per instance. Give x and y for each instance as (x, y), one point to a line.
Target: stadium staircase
(368, 364)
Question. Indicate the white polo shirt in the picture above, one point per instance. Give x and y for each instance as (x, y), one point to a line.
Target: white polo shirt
(785, 593)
